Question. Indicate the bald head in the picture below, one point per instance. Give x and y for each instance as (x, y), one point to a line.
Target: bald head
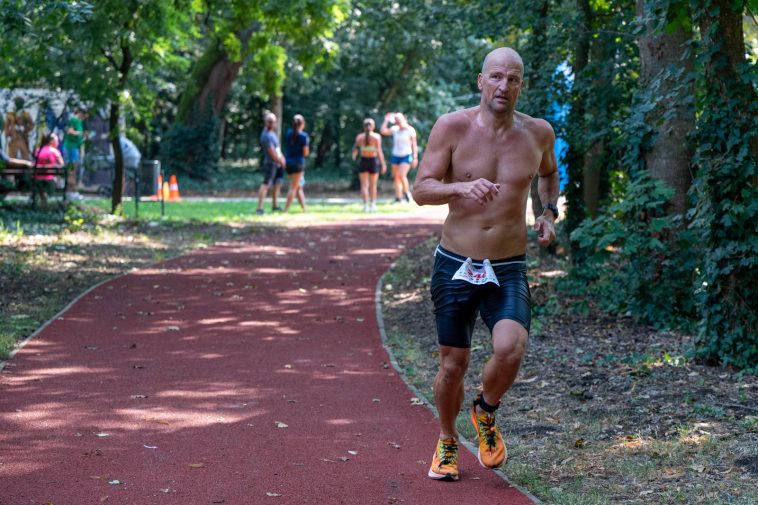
(502, 56)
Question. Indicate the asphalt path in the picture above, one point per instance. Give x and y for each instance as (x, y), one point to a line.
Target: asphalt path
(250, 372)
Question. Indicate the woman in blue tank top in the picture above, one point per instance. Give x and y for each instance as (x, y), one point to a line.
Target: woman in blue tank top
(296, 145)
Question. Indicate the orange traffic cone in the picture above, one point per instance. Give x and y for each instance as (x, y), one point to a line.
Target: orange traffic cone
(157, 196)
(164, 189)
(173, 190)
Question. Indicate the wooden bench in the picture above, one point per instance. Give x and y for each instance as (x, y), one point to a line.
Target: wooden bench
(20, 170)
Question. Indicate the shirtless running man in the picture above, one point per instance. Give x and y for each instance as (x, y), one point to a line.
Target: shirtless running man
(481, 161)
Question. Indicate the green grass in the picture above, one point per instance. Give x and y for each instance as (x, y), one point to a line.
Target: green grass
(228, 211)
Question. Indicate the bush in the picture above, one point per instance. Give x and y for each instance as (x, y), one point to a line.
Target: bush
(640, 260)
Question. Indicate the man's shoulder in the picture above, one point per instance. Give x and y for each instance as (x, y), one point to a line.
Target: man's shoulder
(456, 120)
(535, 123)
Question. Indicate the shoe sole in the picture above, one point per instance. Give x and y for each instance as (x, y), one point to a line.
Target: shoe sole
(442, 476)
(479, 449)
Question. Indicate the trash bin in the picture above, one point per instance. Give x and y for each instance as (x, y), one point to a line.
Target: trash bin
(150, 171)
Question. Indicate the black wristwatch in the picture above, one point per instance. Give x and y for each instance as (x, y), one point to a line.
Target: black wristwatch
(553, 208)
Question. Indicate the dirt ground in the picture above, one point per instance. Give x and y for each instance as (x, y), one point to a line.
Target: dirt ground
(604, 410)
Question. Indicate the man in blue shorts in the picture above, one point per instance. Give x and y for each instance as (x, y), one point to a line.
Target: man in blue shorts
(481, 161)
(273, 162)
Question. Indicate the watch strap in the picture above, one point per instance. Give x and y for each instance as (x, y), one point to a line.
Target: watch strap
(553, 208)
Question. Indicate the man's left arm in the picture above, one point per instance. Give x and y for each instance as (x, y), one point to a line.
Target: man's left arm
(548, 188)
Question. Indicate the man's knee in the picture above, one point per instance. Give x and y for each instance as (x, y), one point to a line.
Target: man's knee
(453, 366)
(509, 342)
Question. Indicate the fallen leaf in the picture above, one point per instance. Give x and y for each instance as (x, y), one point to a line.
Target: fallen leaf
(280, 424)
(360, 319)
(172, 328)
(272, 494)
(196, 465)
(102, 435)
(344, 458)
(138, 397)
(416, 401)
(149, 446)
(375, 400)
(394, 445)
(352, 452)
(115, 482)
(287, 366)
(103, 498)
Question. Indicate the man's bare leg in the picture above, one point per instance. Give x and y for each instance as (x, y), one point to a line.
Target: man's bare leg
(508, 348)
(275, 194)
(261, 195)
(448, 387)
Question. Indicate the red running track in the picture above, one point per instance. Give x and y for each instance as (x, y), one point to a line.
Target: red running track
(174, 384)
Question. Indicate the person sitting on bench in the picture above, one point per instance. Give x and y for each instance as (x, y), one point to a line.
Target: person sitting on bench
(48, 156)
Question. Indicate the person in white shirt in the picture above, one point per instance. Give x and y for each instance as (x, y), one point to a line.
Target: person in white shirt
(404, 152)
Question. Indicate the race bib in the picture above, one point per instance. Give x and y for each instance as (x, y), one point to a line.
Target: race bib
(469, 273)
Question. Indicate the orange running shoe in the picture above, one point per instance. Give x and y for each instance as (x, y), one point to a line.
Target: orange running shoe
(445, 460)
(492, 452)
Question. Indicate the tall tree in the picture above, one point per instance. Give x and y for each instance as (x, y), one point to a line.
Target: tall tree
(667, 81)
(236, 34)
(99, 45)
(726, 186)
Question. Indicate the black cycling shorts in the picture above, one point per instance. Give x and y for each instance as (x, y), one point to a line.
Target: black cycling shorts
(273, 173)
(457, 302)
(370, 165)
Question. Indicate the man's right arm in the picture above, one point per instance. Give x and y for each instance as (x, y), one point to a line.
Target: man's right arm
(429, 187)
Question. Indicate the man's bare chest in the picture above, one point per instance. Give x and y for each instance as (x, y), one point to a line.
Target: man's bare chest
(514, 162)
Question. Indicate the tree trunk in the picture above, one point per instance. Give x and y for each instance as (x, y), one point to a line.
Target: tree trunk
(594, 162)
(277, 107)
(537, 56)
(114, 127)
(209, 84)
(668, 159)
(118, 170)
(389, 93)
(575, 158)
(728, 174)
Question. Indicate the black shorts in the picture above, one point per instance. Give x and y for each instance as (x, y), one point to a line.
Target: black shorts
(273, 173)
(294, 168)
(370, 165)
(457, 302)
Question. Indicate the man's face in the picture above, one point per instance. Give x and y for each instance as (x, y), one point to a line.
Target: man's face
(270, 122)
(500, 84)
(57, 106)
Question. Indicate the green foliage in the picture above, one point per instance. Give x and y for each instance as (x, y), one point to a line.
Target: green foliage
(201, 139)
(639, 260)
(727, 199)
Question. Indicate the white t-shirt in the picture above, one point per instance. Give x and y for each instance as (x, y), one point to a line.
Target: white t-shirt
(401, 140)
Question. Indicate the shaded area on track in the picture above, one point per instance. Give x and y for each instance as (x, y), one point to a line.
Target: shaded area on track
(249, 372)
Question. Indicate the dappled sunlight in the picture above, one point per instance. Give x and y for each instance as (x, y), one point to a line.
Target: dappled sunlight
(339, 422)
(373, 252)
(46, 373)
(217, 320)
(552, 273)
